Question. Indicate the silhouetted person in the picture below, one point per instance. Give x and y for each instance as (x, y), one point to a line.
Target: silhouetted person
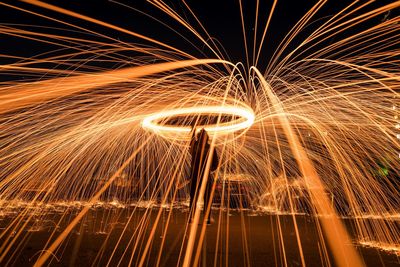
(200, 151)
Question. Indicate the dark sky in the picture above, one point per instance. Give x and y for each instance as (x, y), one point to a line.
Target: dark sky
(220, 17)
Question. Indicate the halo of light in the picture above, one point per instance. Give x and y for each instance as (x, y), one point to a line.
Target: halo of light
(244, 122)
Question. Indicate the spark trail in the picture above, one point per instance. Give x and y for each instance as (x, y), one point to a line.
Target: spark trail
(99, 122)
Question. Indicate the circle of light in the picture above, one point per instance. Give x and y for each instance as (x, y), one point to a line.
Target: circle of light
(150, 122)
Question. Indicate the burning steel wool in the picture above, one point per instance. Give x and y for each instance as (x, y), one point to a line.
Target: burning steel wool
(95, 140)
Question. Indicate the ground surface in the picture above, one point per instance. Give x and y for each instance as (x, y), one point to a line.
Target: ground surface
(94, 240)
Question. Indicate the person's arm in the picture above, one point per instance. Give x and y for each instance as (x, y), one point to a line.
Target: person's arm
(192, 142)
(191, 148)
(215, 160)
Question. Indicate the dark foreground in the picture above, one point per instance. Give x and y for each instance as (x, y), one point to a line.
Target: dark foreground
(234, 239)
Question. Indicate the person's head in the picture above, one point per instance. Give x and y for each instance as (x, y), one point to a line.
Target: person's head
(203, 136)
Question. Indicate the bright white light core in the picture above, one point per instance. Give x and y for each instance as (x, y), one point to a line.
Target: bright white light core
(245, 121)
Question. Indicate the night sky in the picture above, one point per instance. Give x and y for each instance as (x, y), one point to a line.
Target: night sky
(220, 17)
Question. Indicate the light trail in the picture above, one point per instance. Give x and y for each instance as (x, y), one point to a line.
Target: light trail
(94, 135)
(247, 114)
